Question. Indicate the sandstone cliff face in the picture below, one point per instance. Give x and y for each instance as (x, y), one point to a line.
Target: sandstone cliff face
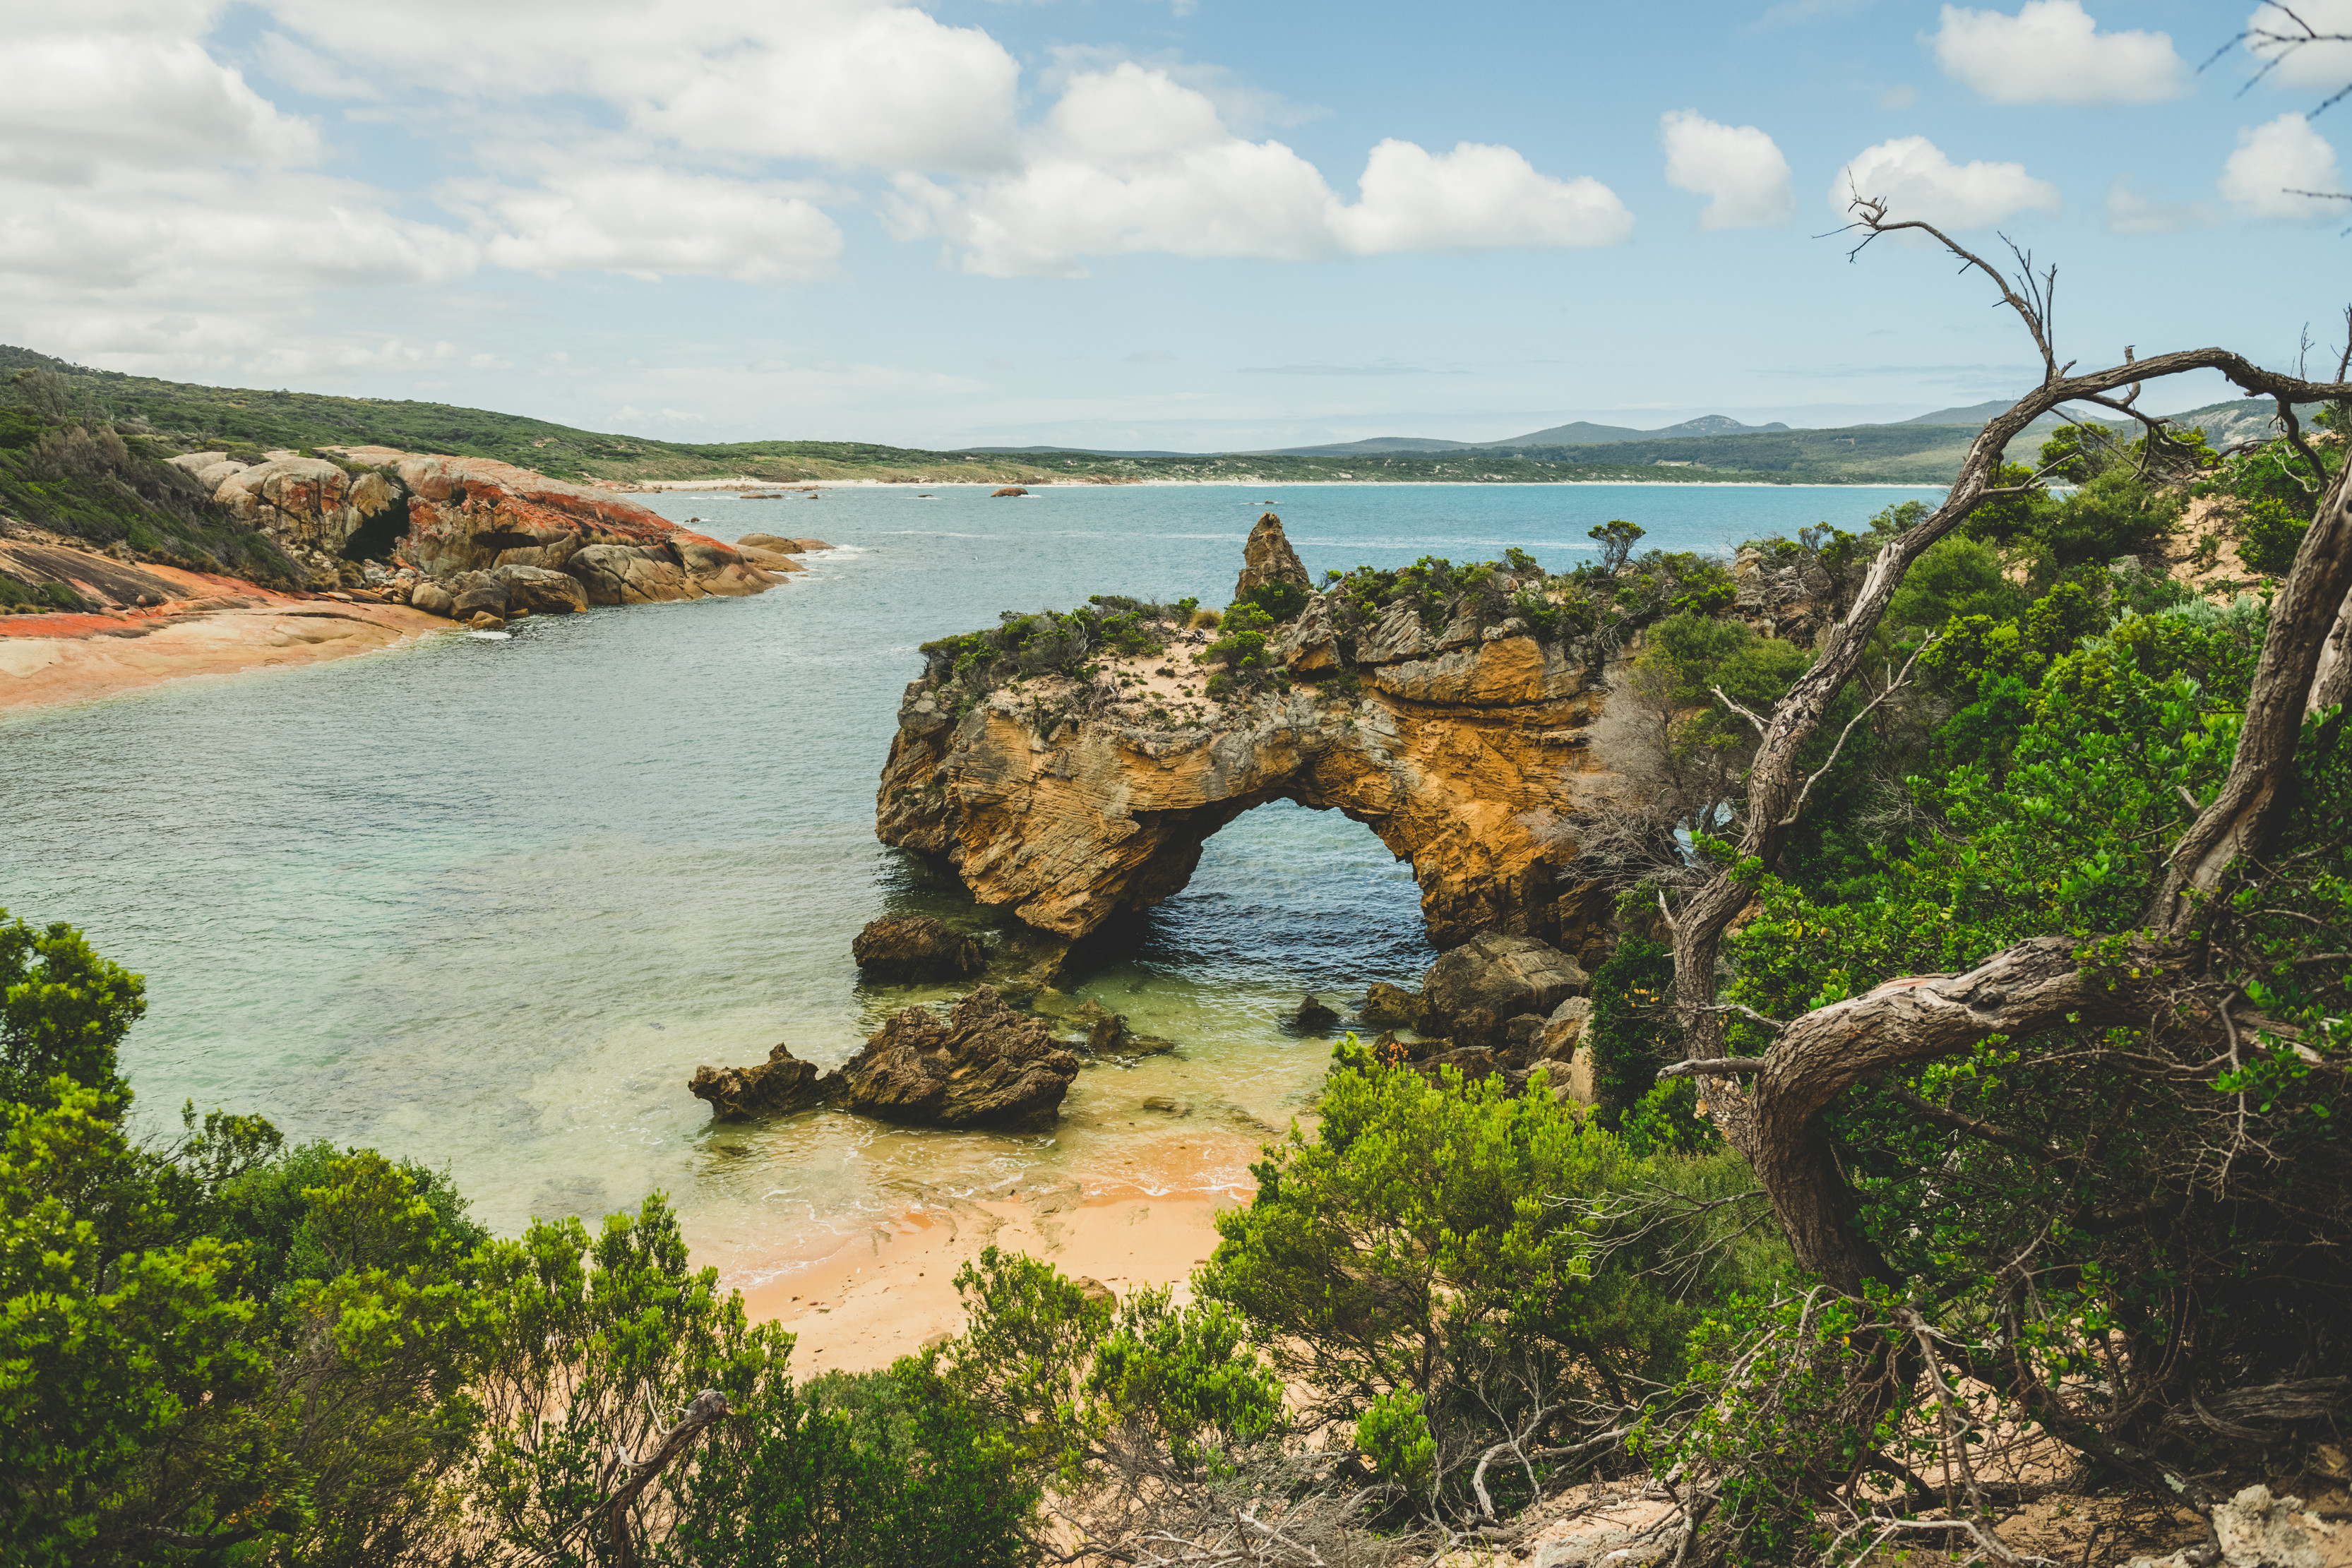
(1473, 753)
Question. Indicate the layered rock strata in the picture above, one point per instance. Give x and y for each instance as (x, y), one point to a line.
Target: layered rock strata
(1476, 752)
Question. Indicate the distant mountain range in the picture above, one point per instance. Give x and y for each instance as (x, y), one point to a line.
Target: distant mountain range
(1581, 434)
(2223, 421)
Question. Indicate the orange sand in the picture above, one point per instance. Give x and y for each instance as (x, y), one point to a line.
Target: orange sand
(221, 627)
(885, 1294)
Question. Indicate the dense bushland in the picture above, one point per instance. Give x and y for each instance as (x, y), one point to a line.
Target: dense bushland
(64, 468)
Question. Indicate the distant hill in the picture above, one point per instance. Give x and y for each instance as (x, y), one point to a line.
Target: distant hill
(1378, 444)
(1072, 450)
(185, 417)
(1581, 434)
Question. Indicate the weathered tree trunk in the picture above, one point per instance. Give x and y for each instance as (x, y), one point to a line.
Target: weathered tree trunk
(2302, 669)
(1812, 1200)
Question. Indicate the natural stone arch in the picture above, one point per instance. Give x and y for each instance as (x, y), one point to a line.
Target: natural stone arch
(1478, 756)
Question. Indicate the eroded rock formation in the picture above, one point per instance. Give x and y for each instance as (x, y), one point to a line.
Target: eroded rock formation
(1474, 747)
(1475, 992)
(1268, 558)
(776, 1087)
(982, 1066)
(459, 520)
(916, 948)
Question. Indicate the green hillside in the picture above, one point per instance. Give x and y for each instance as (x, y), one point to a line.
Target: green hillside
(185, 417)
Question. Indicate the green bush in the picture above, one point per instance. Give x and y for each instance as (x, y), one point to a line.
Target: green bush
(1632, 1020)
(850, 1471)
(2268, 534)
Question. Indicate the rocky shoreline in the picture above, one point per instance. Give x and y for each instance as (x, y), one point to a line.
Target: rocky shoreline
(392, 546)
(474, 539)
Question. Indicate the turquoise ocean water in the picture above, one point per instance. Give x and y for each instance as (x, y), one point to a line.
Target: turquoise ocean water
(488, 902)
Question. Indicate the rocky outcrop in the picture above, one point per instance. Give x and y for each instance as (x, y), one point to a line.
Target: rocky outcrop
(917, 947)
(470, 515)
(311, 507)
(1475, 751)
(1390, 1006)
(776, 1087)
(1267, 558)
(1474, 993)
(982, 1066)
(2256, 1529)
(455, 519)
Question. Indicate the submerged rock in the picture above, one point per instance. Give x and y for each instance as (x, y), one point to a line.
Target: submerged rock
(983, 1065)
(1312, 1017)
(776, 1087)
(1390, 1006)
(1474, 991)
(917, 947)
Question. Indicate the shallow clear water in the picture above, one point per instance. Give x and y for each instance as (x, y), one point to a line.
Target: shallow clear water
(489, 901)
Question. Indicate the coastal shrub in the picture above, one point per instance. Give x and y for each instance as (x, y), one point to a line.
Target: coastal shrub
(1279, 602)
(1047, 644)
(851, 1470)
(1631, 1026)
(64, 1011)
(1616, 539)
(1699, 748)
(93, 484)
(1483, 1258)
(2194, 1212)
(1957, 576)
(2268, 533)
(1246, 662)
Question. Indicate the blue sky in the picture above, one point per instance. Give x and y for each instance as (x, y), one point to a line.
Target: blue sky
(1189, 225)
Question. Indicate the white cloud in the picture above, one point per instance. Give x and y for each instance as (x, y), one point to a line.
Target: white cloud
(2275, 161)
(1130, 160)
(2053, 52)
(1475, 197)
(210, 235)
(851, 82)
(75, 103)
(1739, 167)
(1914, 178)
(2324, 67)
(2131, 212)
(647, 223)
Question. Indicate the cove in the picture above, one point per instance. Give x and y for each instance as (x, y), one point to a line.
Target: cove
(487, 903)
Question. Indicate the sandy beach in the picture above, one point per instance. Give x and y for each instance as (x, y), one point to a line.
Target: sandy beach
(217, 626)
(888, 1292)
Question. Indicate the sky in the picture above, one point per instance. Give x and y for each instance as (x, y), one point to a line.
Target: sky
(1188, 225)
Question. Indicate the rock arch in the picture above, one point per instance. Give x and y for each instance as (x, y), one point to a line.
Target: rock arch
(1477, 755)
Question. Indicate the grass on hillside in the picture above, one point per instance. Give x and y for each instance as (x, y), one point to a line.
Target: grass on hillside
(187, 417)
